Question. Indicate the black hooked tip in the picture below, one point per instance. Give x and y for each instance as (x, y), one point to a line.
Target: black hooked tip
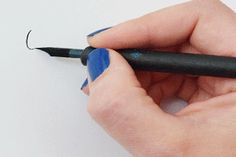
(57, 52)
(27, 41)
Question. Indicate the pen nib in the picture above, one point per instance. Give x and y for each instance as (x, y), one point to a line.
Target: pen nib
(61, 52)
(55, 51)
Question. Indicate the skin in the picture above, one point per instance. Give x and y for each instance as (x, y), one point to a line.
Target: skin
(126, 103)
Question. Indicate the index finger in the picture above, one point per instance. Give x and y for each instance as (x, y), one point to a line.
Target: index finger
(201, 23)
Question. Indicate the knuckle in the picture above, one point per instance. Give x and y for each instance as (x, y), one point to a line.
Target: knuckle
(102, 110)
(113, 111)
(207, 5)
(208, 1)
(217, 86)
(106, 108)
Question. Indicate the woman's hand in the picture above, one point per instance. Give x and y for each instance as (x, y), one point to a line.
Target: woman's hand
(126, 103)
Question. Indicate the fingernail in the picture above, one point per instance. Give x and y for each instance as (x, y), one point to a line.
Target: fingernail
(97, 32)
(84, 84)
(98, 61)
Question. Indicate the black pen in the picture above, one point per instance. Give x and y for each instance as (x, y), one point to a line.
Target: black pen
(159, 61)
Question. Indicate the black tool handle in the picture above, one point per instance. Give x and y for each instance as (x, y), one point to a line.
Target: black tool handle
(183, 63)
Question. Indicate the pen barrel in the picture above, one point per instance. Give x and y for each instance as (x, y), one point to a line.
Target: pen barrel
(182, 63)
(172, 62)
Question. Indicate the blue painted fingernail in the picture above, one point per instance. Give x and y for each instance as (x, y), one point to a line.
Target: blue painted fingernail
(84, 84)
(98, 61)
(97, 32)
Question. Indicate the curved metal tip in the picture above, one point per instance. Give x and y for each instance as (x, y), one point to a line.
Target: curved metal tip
(27, 41)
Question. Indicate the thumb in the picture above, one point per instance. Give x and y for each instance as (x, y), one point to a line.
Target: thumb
(119, 104)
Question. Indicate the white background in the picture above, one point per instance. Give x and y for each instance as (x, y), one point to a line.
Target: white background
(42, 110)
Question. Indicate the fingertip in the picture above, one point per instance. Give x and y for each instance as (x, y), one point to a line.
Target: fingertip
(94, 38)
(98, 32)
(124, 35)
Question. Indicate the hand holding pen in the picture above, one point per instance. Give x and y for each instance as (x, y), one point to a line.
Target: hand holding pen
(193, 43)
(127, 102)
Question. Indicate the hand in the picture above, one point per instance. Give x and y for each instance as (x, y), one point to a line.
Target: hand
(126, 103)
